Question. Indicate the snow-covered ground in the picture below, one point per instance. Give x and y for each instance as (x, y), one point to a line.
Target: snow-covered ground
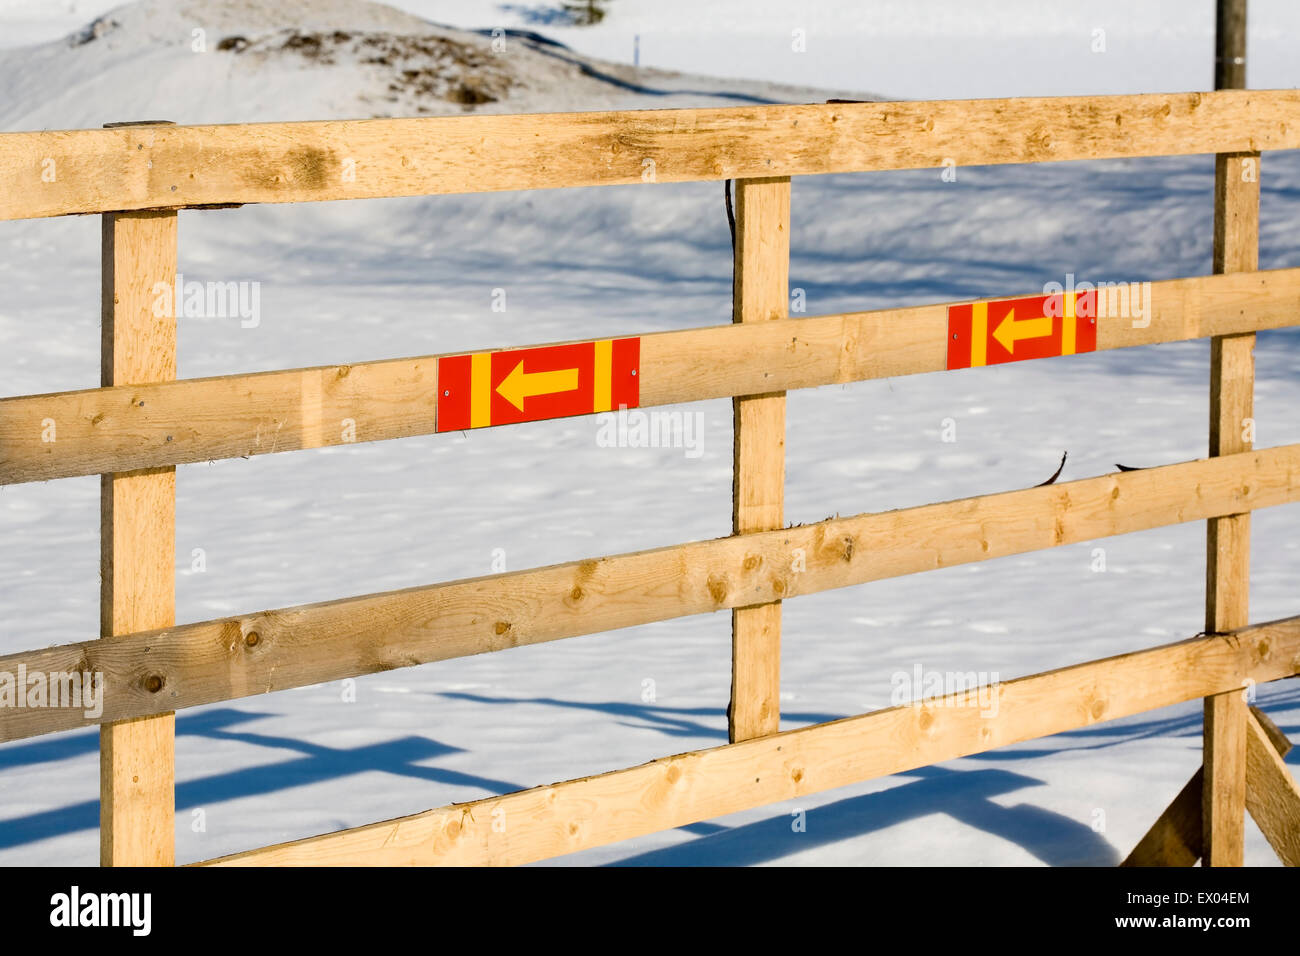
(347, 282)
(903, 48)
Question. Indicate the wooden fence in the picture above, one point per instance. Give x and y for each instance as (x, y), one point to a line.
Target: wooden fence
(141, 423)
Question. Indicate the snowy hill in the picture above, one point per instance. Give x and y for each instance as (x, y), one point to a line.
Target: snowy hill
(343, 282)
(238, 61)
(918, 49)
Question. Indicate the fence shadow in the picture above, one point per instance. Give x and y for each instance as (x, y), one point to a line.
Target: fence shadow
(317, 764)
(964, 795)
(670, 721)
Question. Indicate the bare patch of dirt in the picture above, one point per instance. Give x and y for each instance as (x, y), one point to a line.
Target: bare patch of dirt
(416, 67)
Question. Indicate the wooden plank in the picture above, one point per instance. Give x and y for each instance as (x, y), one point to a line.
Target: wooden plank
(1272, 793)
(1175, 838)
(103, 170)
(1232, 386)
(1271, 730)
(703, 785)
(239, 656)
(175, 423)
(761, 294)
(1223, 791)
(137, 542)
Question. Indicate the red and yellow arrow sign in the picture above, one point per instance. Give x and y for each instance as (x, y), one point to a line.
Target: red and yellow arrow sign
(519, 386)
(1009, 331)
(523, 385)
(1012, 330)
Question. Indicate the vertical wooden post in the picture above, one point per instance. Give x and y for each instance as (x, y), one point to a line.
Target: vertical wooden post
(761, 292)
(137, 798)
(1232, 388)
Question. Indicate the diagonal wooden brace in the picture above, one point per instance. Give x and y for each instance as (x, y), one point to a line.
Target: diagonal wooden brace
(1272, 793)
(1272, 797)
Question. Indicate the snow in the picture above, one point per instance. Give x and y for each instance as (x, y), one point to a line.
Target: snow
(346, 282)
(914, 49)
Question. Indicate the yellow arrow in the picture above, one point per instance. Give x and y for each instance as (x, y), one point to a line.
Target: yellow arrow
(1009, 331)
(519, 385)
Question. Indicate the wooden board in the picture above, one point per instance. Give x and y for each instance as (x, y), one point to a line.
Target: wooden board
(233, 416)
(1175, 839)
(1272, 793)
(761, 295)
(137, 543)
(675, 791)
(1227, 607)
(258, 653)
(1281, 743)
(147, 167)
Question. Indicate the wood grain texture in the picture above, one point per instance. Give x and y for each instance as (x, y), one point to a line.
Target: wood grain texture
(688, 788)
(1281, 743)
(249, 654)
(173, 423)
(1232, 387)
(1175, 838)
(1272, 793)
(761, 295)
(150, 167)
(137, 541)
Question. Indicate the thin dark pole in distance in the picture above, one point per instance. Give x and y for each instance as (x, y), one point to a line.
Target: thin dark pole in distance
(1230, 45)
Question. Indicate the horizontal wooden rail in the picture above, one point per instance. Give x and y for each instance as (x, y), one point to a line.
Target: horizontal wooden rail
(172, 668)
(688, 788)
(173, 423)
(178, 166)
